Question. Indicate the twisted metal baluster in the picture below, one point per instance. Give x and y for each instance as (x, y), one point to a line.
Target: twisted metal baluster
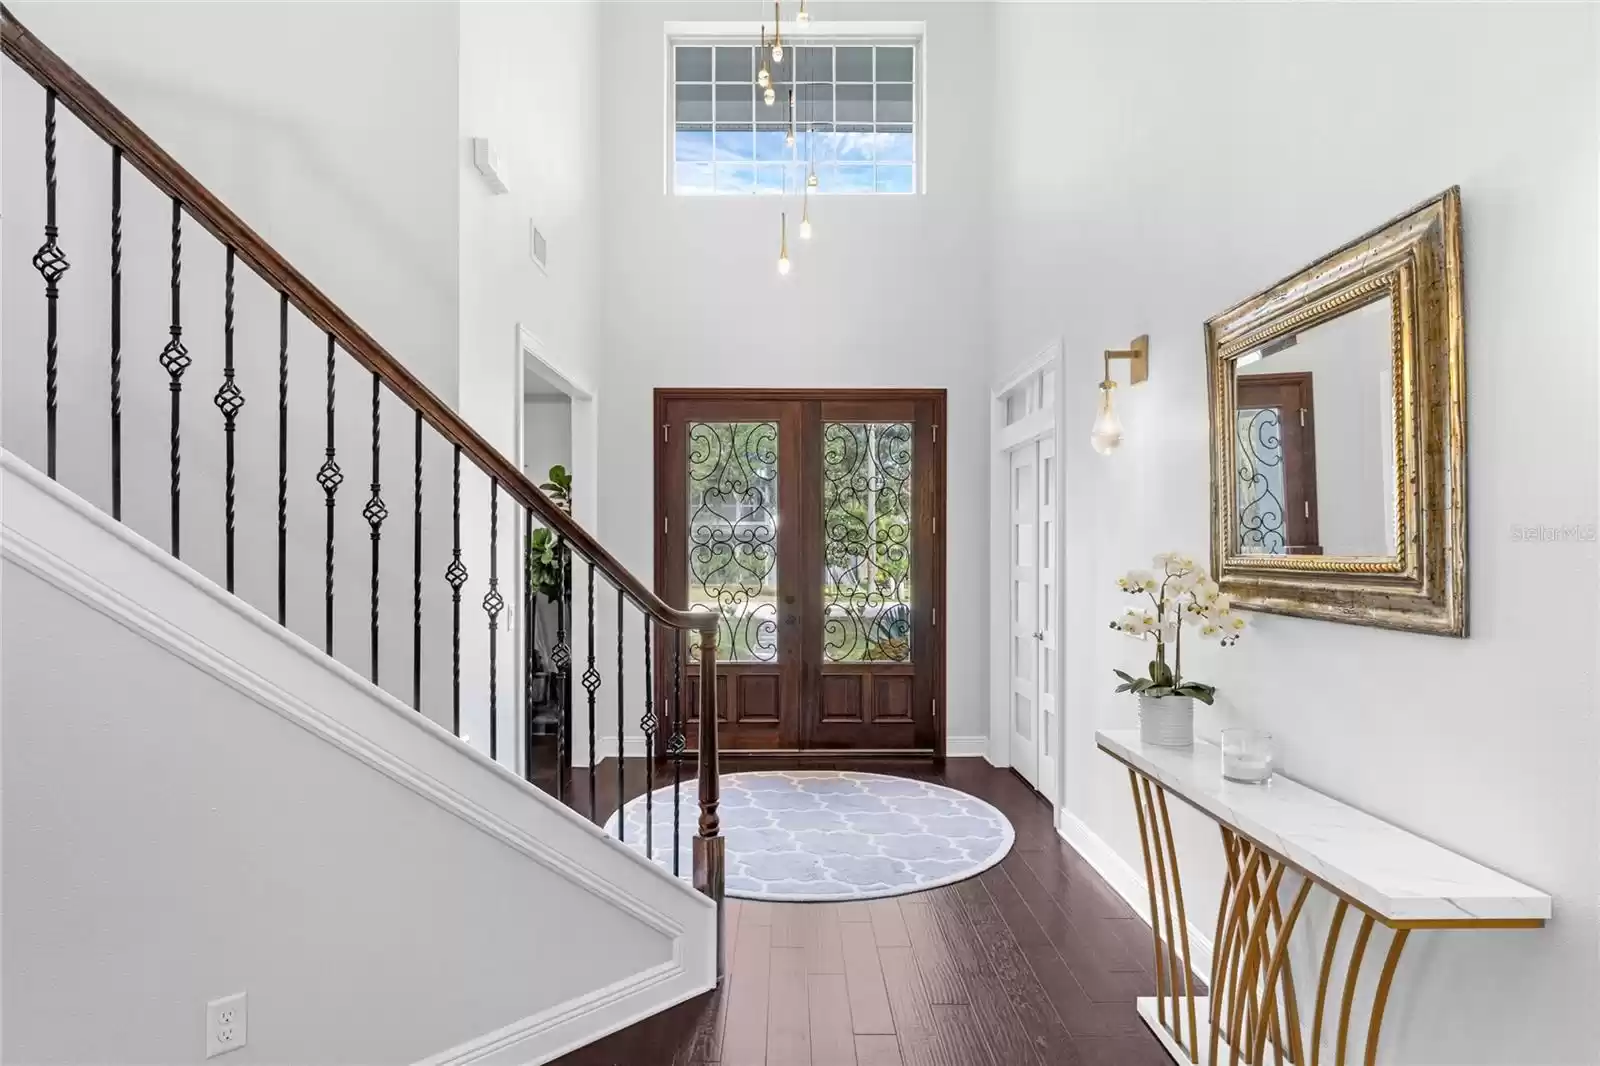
(591, 683)
(527, 644)
(622, 772)
(51, 264)
(375, 512)
(456, 575)
(175, 359)
(228, 400)
(561, 655)
(647, 725)
(675, 744)
(116, 333)
(329, 477)
(416, 573)
(283, 458)
(493, 604)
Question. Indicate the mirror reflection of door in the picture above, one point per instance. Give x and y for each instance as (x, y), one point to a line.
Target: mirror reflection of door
(808, 522)
(1276, 467)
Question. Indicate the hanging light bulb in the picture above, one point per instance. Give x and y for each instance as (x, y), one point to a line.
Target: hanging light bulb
(770, 96)
(1107, 432)
(777, 32)
(789, 135)
(763, 76)
(804, 17)
(811, 178)
(783, 244)
(805, 219)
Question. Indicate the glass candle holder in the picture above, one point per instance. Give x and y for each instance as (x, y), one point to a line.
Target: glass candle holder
(1247, 756)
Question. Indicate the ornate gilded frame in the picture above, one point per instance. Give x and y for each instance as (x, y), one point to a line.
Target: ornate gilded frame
(1415, 260)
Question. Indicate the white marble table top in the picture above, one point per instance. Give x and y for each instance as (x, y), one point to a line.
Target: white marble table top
(1395, 874)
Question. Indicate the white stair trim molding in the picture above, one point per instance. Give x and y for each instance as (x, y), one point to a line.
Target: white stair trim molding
(1127, 882)
(109, 568)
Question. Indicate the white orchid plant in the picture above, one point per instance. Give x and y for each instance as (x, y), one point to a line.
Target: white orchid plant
(1181, 596)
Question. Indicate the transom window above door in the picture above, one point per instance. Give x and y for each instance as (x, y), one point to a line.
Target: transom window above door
(854, 119)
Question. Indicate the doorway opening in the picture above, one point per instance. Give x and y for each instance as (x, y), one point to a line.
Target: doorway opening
(810, 521)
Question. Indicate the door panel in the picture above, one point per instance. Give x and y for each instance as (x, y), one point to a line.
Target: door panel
(1049, 591)
(808, 523)
(1025, 640)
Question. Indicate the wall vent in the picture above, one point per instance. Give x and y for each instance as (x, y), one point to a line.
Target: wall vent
(538, 250)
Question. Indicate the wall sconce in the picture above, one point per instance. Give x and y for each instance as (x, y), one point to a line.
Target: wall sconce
(1107, 432)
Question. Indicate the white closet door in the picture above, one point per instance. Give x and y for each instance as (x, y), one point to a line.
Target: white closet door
(1049, 701)
(1025, 634)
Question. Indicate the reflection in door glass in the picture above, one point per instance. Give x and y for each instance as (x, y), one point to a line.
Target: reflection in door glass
(732, 535)
(1259, 490)
(866, 532)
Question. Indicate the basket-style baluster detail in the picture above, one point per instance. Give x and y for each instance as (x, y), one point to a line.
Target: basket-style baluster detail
(455, 575)
(52, 265)
(229, 401)
(561, 655)
(175, 359)
(330, 477)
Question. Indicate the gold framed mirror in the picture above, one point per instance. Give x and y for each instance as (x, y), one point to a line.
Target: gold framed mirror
(1338, 433)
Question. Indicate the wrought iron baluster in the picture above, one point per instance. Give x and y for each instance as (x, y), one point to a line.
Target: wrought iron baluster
(493, 604)
(116, 333)
(456, 575)
(561, 656)
(528, 606)
(229, 400)
(675, 746)
(51, 264)
(175, 359)
(416, 573)
(283, 458)
(622, 772)
(647, 725)
(375, 512)
(329, 477)
(591, 683)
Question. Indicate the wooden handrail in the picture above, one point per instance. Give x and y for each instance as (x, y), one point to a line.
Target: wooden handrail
(118, 130)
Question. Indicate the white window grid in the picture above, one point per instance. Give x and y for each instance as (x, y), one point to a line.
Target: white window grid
(850, 157)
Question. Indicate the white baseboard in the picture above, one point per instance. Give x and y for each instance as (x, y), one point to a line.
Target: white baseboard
(1126, 880)
(632, 747)
(966, 747)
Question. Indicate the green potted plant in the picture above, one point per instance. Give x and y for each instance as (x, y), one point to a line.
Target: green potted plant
(1181, 595)
(545, 557)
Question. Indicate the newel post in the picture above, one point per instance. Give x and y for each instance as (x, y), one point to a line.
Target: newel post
(708, 843)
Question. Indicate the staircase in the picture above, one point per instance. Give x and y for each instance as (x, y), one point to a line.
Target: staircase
(268, 687)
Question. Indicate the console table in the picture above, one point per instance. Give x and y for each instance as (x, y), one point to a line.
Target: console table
(1272, 837)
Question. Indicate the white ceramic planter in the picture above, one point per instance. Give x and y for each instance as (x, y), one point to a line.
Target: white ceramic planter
(1167, 721)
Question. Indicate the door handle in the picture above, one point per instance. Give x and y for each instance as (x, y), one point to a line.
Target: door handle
(788, 619)
(1038, 635)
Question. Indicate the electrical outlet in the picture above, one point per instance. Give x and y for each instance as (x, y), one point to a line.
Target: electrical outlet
(226, 1020)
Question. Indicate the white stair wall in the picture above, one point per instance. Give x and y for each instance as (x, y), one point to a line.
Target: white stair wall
(197, 803)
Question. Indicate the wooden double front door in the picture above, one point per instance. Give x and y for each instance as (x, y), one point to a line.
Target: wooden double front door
(810, 522)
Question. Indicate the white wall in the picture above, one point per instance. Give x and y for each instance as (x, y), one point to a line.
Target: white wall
(1186, 156)
(546, 435)
(198, 804)
(327, 127)
(889, 293)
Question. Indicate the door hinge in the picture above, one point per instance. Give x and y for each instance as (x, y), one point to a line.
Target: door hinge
(1308, 508)
(936, 708)
(936, 527)
(1302, 418)
(935, 613)
(663, 431)
(664, 521)
(936, 433)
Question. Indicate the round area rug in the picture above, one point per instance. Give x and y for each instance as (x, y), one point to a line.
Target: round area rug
(813, 835)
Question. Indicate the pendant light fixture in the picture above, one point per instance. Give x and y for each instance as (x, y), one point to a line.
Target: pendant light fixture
(777, 31)
(788, 139)
(804, 17)
(805, 217)
(783, 244)
(763, 76)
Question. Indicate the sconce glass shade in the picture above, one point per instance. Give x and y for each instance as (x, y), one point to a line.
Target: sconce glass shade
(1107, 432)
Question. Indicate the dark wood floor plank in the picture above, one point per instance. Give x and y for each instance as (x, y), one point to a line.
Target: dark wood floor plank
(745, 1041)
(961, 1041)
(876, 1051)
(788, 1010)
(863, 970)
(1010, 1006)
(941, 972)
(1136, 1049)
(1101, 961)
(888, 925)
(832, 1042)
(913, 1014)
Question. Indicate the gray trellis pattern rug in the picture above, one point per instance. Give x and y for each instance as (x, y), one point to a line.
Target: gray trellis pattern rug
(813, 835)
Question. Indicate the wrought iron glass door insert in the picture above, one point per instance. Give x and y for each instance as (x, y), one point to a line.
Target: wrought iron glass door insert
(808, 520)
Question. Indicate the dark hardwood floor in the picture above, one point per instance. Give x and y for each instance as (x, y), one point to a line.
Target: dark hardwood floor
(1036, 962)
